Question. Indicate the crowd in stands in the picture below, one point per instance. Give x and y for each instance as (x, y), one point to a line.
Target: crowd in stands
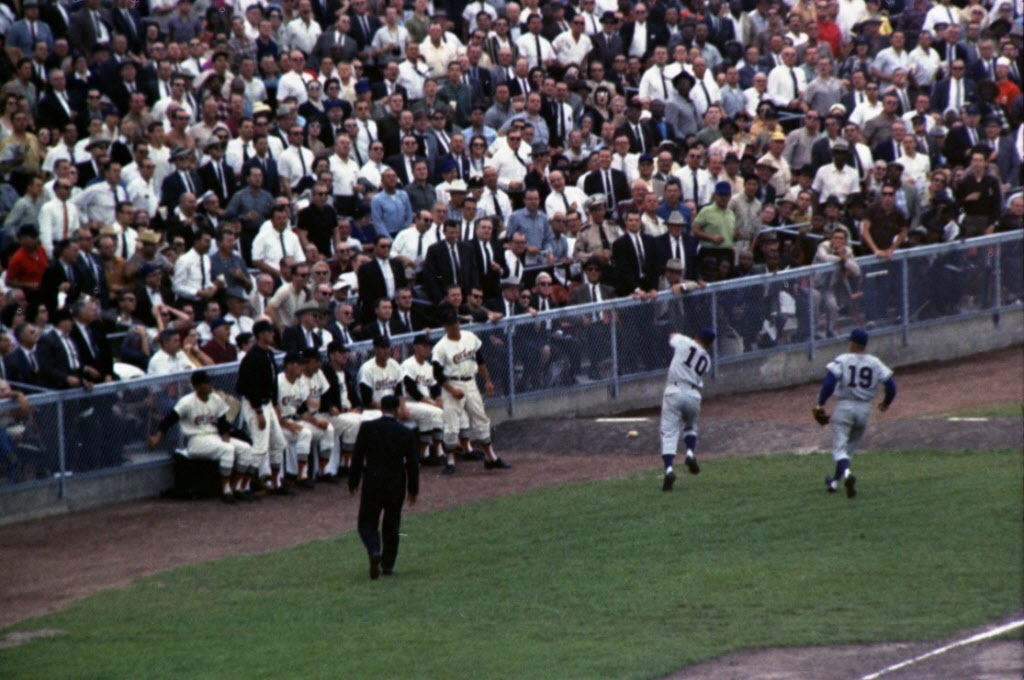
(174, 171)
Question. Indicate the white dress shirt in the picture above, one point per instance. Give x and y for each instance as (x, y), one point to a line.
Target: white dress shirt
(527, 45)
(51, 223)
(780, 84)
(294, 163)
(266, 247)
(191, 274)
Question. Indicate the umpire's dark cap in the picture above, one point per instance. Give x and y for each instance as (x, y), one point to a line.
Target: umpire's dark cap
(422, 339)
(382, 341)
(706, 334)
(389, 403)
(262, 326)
(200, 378)
(859, 336)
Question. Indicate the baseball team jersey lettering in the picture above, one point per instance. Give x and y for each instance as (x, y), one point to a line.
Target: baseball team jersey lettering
(291, 395)
(689, 362)
(382, 381)
(858, 376)
(457, 358)
(198, 416)
(421, 374)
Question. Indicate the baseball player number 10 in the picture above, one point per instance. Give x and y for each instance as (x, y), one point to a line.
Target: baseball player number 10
(702, 362)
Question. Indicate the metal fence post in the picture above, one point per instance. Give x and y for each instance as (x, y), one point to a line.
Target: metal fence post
(613, 329)
(810, 319)
(510, 340)
(714, 325)
(61, 453)
(998, 283)
(905, 299)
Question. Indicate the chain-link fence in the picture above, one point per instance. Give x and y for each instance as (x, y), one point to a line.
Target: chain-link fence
(572, 348)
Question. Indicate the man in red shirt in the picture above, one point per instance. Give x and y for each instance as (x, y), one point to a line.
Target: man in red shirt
(828, 29)
(219, 348)
(26, 267)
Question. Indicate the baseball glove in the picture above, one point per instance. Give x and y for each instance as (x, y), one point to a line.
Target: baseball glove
(820, 415)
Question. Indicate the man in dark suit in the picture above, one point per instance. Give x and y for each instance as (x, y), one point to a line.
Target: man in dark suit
(55, 108)
(217, 175)
(57, 17)
(91, 343)
(364, 23)
(128, 23)
(962, 139)
(957, 86)
(152, 288)
(607, 181)
(89, 27)
(183, 180)
(59, 364)
(306, 334)
(406, 159)
(335, 43)
(372, 282)
(720, 28)
(386, 459)
(608, 42)
(325, 12)
(266, 163)
(641, 139)
(60, 276)
(91, 169)
(384, 322)
(676, 244)
(448, 262)
(657, 34)
(489, 259)
(635, 266)
(593, 328)
(21, 364)
(127, 83)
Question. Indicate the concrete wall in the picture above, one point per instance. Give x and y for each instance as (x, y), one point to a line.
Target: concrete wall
(939, 342)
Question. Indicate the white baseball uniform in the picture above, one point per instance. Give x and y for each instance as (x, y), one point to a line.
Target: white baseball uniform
(198, 421)
(458, 361)
(858, 376)
(382, 380)
(290, 397)
(680, 403)
(270, 440)
(324, 439)
(429, 418)
(346, 424)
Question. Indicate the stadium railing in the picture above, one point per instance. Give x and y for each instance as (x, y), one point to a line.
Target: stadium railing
(603, 345)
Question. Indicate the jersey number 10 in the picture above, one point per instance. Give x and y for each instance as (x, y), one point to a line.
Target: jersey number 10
(865, 373)
(702, 362)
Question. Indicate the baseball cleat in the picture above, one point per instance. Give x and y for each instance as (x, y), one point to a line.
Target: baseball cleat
(242, 496)
(670, 479)
(284, 491)
(830, 485)
(375, 567)
(496, 464)
(306, 484)
(448, 470)
(851, 486)
(691, 465)
(327, 479)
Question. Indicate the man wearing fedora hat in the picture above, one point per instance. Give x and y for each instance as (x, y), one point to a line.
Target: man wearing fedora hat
(216, 175)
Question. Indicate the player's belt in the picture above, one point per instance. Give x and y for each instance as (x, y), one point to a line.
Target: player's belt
(462, 379)
(685, 383)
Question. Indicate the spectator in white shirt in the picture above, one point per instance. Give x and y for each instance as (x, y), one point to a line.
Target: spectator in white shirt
(193, 279)
(304, 30)
(169, 358)
(58, 217)
(295, 164)
(786, 82)
(274, 242)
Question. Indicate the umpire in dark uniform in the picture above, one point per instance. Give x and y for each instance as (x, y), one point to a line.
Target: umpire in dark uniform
(387, 456)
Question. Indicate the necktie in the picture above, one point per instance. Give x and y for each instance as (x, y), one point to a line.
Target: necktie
(32, 32)
(220, 178)
(406, 320)
(124, 244)
(419, 246)
(606, 177)
(707, 95)
(973, 134)
(98, 27)
(497, 207)
(640, 137)
(443, 138)
(639, 252)
(524, 85)
(366, 26)
(32, 360)
(284, 251)
(202, 272)
(796, 85)
(72, 353)
(594, 297)
(188, 184)
(369, 136)
(64, 205)
(70, 274)
(566, 201)
(302, 159)
(675, 247)
(467, 231)
(455, 262)
(857, 162)
(536, 39)
(693, 175)
(113, 189)
(487, 256)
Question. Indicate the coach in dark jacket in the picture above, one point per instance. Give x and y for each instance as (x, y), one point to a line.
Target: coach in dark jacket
(387, 459)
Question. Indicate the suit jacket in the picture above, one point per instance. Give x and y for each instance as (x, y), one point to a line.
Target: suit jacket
(102, 359)
(492, 47)
(82, 32)
(335, 329)
(461, 163)
(86, 173)
(940, 93)
(19, 369)
(580, 295)
(294, 340)
(144, 304)
(356, 31)
(208, 179)
(54, 366)
(173, 188)
(593, 184)
(821, 152)
(130, 26)
(515, 89)
(397, 163)
(657, 34)
(19, 35)
(885, 151)
(670, 131)
(959, 50)
(490, 281)
(724, 33)
(629, 275)
(606, 47)
(437, 269)
(122, 97)
(958, 145)
(380, 90)
(371, 329)
(326, 12)
(55, 20)
(372, 286)
(86, 277)
(386, 460)
(634, 142)
(53, 276)
(663, 253)
(51, 112)
(327, 46)
(271, 178)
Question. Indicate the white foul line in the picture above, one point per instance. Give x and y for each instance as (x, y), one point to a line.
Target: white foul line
(967, 420)
(942, 650)
(620, 420)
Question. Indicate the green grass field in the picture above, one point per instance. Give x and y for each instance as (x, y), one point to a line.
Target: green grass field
(595, 580)
(1006, 409)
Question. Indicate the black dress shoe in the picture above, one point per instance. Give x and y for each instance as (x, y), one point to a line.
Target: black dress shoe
(374, 567)
(496, 464)
(388, 572)
(284, 491)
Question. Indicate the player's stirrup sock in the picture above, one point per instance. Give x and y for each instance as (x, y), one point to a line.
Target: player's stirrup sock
(842, 467)
(691, 442)
(667, 459)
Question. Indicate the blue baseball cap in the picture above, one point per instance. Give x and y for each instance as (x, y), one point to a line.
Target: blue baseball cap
(859, 336)
(706, 334)
(723, 188)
